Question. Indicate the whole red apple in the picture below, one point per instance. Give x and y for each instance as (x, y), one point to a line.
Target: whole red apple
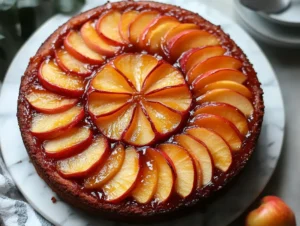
(272, 212)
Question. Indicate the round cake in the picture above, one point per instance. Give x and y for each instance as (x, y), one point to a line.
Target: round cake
(139, 109)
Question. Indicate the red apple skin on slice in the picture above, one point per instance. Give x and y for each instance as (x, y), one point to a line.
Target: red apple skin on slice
(84, 163)
(218, 148)
(227, 111)
(109, 169)
(218, 75)
(228, 96)
(76, 46)
(184, 167)
(50, 103)
(140, 23)
(189, 39)
(70, 143)
(54, 79)
(200, 154)
(47, 126)
(126, 19)
(196, 55)
(121, 185)
(70, 64)
(96, 42)
(146, 185)
(222, 127)
(166, 176)
(107, 26)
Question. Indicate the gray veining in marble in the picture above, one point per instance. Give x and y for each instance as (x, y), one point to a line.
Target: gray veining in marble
(221, 212)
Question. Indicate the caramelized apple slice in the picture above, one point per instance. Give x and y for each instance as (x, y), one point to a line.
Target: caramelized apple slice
(114, 125)
(140, 131)
(228, 96)
(152, 37)
(109, 80)
(178, 29)
(82, 164)
(75, 45)
(183, 166)
(213, 63)
(223, 74)
(96, 42)
(226, 85)
(139, 25)
(196, 55)
(217, 147)
(146, 185)
(229, 112)
(201, 156)
(110, 168)
(46, 126)
(165, 176)
(126, 19)
(54, 79)
(47, 102)
(163, 76)
(107, 26)
(120, 186)
(222, 127)
(164, 120)
(135, 67)
(178, 98)
(68, 63)
(75, 140)
(100, 104)
(189, 39)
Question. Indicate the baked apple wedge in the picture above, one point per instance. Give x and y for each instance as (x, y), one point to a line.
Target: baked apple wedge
(109, 169)
(226, 111)
(219, 150)
(49, 125)
(177, 30)
(126, 19)
(54, 79)
(201, 156)
(48, 102)
(145, 187)
(75, 45)
(73, 141)
(228, 96)
(196, 55)
(120, 186)
(183, 166)
(222, 127)
(82, 164)
(213, 63)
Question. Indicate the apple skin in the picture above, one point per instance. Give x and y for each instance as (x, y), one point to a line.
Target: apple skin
(272, 212)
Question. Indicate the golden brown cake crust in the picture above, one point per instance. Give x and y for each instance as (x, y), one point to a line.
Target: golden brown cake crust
(69, 190)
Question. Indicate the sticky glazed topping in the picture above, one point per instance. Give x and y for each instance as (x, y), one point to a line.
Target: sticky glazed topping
(137, 106)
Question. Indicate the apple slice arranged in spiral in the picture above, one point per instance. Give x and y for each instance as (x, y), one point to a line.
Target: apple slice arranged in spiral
(48, 102)
(218, 148)
(54, 79)
(183, 166)
(213, 63)
(50, 125)
(108, 26)
(222, 127)
(109, 169)
(70, 64)
(177, 30)
(82, 164)
(194, 56)
(201, 156)
(120, 186)
(126, 19)
(226, 111)
(70, 143)
(76, 46)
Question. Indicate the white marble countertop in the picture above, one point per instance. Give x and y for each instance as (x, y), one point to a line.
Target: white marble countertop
(285, 182)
